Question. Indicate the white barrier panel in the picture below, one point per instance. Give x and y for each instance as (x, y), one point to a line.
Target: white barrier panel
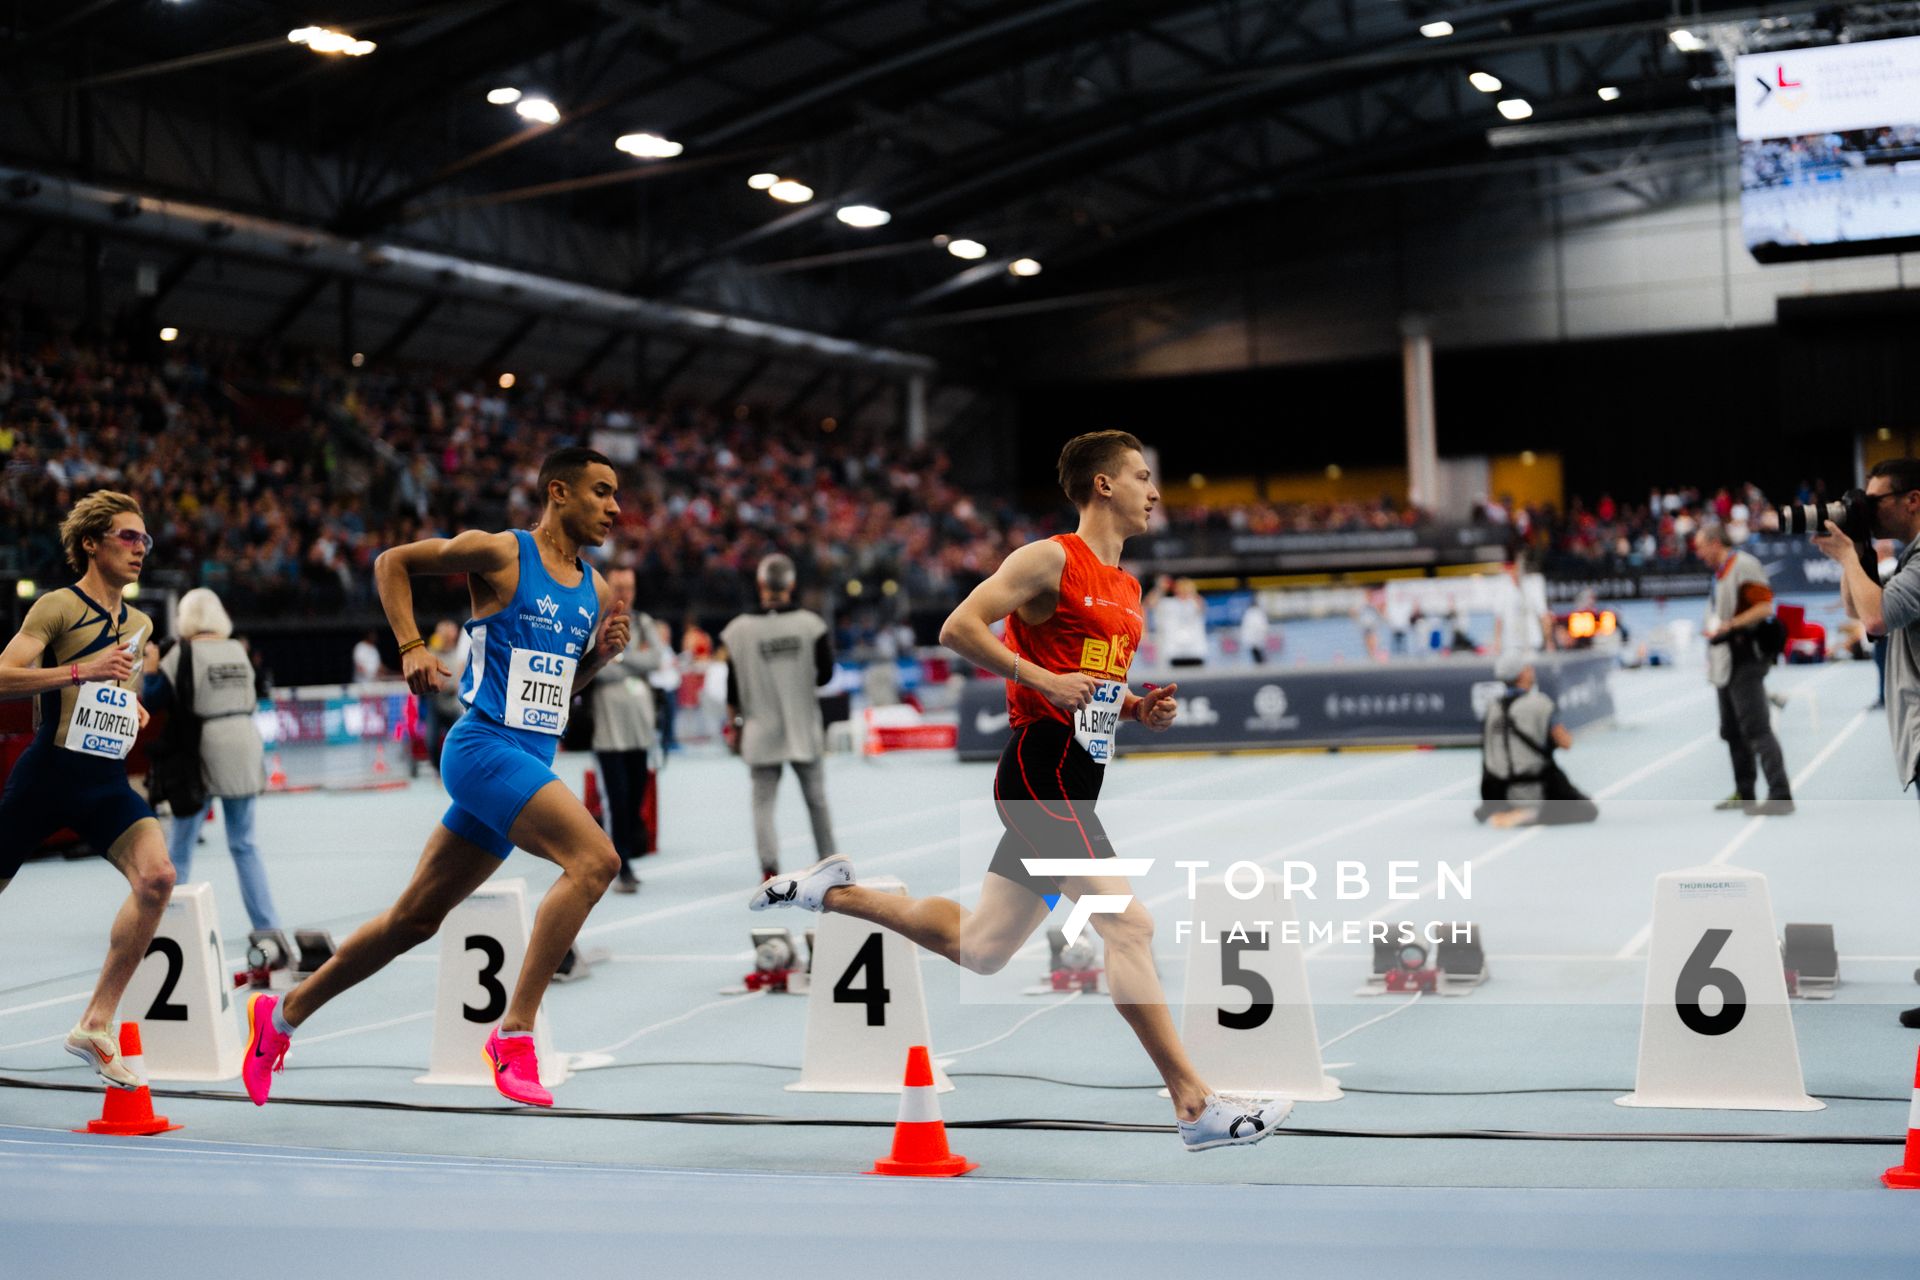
(1716, 1031)
(182, 994)
(865, 1007)
(1248, 1018)
(483, 943)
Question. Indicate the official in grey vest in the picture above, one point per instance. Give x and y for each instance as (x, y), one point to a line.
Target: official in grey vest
(232, 755)
(1891, 609)
(623, 731)
(780, 657)
(1520, 784)
(1737, 666)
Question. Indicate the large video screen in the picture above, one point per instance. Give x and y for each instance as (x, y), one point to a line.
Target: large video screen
(1830, 150)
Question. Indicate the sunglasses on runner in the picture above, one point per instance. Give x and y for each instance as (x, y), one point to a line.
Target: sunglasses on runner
(134, 538)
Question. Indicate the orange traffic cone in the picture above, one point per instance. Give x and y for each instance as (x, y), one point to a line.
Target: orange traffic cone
(1906, 1175)
(380, 758)
(920, 1137)
(276, 775)
(129, 1112)
(592, 799)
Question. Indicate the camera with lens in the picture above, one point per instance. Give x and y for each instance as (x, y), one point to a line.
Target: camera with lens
(1852, 515)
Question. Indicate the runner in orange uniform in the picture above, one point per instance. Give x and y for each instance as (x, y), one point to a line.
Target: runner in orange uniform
(1073, 622)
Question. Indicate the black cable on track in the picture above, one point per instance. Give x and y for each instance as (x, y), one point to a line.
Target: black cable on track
(741, 1119)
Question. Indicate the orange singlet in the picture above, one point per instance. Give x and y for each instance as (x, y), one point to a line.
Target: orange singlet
(1095, 628)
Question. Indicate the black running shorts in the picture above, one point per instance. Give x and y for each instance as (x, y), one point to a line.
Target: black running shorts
(1045, 790)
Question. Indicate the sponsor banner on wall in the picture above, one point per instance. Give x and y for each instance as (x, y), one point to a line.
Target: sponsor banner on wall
(1439, 702)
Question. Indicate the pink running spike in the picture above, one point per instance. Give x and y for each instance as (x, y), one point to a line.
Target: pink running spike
(266, 1048)
(516, 1072)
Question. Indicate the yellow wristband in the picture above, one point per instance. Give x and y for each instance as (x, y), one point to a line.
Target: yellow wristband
(411, 644)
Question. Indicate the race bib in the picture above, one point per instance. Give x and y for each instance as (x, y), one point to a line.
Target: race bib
(1095, 723)
(105, 721)
(539, 691)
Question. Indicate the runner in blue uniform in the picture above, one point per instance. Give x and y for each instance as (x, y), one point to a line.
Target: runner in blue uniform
(536, 638)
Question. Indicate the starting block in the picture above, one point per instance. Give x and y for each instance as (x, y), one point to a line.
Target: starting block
(316, 948)
(777, 965)
(1071, 967)
(1811, 961)
(1400, 963)
(578, 963)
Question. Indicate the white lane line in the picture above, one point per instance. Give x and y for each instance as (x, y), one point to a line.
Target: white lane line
(1645, 933)
(1648, 770)
(977, 836)
(1402, 1008)
(305, 1041)
(28, 1044)
(948, 1055)
(1399, 905)
(1345, 829)
(676, 1020)
(1513, 842)
(894, 817)
(1136, 839)
(45, 1004)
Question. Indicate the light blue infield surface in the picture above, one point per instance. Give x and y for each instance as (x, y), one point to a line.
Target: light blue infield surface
(1478, 1136)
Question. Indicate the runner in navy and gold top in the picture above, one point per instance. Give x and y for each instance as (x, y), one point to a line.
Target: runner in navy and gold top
(1073, 622)
(78, 656)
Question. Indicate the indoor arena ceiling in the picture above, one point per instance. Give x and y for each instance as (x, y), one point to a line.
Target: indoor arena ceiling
(1067, 132)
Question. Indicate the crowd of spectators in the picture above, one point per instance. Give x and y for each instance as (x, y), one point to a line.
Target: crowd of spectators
(1297, 517)
(1659, 531)
(278, 488)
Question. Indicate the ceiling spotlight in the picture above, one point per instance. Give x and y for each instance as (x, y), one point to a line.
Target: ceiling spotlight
(1609, 93)
(506, 382)
(503, 97)
(1024, 267)
(1484, 82)
(1515, 108)
(968, 249)
(169, 333)
(648, 146)
(864, 215)
(761, 181)
(327, 40)
(787, 191)
(539, 110)
(1687, 42)
(1436, 30)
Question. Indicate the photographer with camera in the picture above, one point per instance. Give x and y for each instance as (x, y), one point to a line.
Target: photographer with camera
(1891, 510)
(1739, 651)
(1520, 782)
